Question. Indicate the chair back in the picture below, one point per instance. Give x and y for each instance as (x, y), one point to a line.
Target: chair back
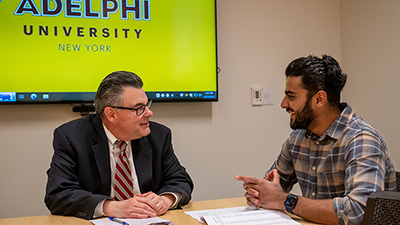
(397, 181)
(383, 208)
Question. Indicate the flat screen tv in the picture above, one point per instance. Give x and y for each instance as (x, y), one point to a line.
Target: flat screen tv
(58, 51)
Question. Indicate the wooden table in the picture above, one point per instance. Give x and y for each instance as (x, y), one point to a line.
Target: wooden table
(178, 217)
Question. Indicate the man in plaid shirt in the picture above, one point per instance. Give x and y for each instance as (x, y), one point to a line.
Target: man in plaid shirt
(337, 158)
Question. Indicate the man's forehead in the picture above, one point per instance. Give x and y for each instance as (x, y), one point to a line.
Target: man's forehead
(134, 96)
(293, 85)
(293, 82)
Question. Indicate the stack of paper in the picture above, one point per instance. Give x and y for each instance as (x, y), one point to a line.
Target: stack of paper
(242, 216)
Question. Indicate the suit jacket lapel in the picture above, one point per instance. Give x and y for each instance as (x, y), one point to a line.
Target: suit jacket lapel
(143, 159)
(102, 156)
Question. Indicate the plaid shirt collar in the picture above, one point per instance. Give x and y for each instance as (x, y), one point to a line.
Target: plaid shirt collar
(337, 127)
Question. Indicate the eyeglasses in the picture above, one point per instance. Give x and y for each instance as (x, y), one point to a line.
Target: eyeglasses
(139, 110)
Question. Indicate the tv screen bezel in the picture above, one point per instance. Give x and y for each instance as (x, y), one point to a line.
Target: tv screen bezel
(188, 95)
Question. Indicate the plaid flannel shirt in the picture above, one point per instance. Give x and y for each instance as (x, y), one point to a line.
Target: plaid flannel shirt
(346, 164)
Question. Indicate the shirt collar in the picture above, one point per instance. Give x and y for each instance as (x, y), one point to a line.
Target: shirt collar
(310, 135)
(111, 138)
(337, 127)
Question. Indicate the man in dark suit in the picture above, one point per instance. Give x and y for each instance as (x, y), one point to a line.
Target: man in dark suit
(86, 156)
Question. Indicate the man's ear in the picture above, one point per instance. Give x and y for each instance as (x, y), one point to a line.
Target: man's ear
(321, 98)
(109, 113)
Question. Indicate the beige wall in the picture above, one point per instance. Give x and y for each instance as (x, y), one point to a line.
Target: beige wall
(371, 57)
(216, 141)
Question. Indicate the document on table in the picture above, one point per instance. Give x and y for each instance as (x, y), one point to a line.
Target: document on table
(246, 215)
(107, 221)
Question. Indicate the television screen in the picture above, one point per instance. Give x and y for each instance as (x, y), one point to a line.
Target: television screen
(58, 51)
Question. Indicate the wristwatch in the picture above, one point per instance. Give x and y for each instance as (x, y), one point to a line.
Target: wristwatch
(290, 202)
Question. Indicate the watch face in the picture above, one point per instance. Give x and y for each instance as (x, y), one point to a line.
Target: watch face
(290, 202)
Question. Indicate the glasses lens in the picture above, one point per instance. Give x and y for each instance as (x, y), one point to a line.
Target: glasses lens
(141, 109)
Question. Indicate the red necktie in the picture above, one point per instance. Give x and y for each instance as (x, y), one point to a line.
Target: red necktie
(123, 186)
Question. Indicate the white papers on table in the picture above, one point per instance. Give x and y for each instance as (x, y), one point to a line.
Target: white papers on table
(246, 215)
(107, 221)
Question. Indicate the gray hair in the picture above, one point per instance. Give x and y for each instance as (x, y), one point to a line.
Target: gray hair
(111, 87)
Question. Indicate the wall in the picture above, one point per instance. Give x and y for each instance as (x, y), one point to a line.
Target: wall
(371, 53)
(215, 141)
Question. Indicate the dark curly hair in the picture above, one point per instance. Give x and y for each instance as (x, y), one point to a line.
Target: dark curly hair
(319, 74)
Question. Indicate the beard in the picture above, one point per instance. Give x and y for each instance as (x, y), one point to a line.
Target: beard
(304, 117)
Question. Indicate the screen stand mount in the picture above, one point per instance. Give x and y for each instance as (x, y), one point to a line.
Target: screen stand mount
(84, 109)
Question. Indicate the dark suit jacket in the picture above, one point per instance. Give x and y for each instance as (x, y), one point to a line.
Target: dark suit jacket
(80, 176)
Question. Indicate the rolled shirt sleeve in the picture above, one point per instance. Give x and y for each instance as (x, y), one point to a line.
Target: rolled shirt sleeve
(367, 165)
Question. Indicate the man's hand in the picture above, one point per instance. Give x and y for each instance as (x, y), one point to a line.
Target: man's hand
(138, 207)
(264, 193)
(162, 203)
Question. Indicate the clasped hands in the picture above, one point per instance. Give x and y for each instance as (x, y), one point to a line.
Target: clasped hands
(264, 193)
(141, 206)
